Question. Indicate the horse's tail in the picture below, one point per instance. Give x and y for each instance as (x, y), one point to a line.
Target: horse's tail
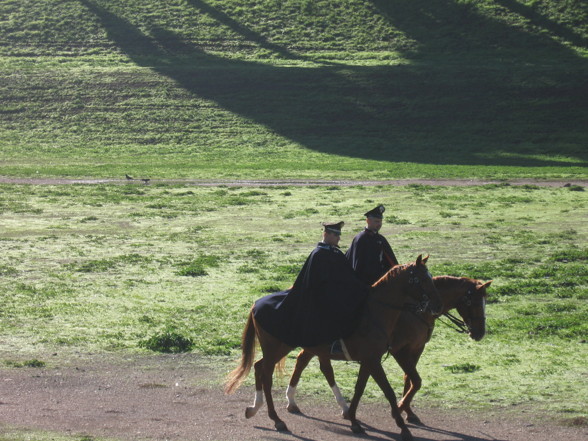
(281, 367)
(248, 340)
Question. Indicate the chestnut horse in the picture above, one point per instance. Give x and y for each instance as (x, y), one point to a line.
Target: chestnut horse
(367, 345)
(413, 331)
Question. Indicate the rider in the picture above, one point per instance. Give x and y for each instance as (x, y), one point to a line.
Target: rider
(370, 253)
(323, 304)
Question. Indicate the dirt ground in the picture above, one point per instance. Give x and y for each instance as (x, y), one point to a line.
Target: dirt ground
(178, 397)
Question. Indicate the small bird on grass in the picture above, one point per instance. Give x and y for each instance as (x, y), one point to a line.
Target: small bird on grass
(145, 180)
(130, 178)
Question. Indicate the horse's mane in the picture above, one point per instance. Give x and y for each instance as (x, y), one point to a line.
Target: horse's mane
(392, 273)
(443, 281)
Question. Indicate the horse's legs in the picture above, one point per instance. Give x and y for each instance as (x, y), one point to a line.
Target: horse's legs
(360, 384)
(412, 384)
(302, 361)
(404, 403)
(252, 410)
(378, 374)
(399, 356)
(327, 370)
(406, 383)
(267, 379)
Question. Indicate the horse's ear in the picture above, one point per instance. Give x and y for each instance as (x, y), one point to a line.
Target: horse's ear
(485, 285)
(419, 259)
(425, 259)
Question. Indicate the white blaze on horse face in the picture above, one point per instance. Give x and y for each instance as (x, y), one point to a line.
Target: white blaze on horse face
(484, 307)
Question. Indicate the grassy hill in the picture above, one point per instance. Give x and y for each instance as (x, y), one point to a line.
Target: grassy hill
(294, 88)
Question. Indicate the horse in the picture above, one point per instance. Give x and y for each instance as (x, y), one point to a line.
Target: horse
(413, 331)
(367, 344)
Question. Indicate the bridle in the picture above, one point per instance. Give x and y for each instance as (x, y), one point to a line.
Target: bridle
(458, 324)
(416, 308)
(423, 305)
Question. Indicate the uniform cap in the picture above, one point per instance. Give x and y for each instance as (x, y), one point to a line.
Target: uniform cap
(333, 228)
(376, 212)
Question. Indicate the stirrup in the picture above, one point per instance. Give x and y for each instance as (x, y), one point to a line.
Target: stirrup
(336, 347)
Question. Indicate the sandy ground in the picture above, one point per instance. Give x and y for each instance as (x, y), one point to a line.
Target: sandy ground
(179, 398)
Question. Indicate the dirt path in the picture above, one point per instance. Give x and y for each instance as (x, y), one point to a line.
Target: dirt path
(293, 182)
(178, 398)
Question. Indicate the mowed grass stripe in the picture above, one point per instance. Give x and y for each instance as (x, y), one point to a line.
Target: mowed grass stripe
(274, 89)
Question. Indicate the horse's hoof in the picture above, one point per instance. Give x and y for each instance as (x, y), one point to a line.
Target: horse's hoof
(293, 408)
(250, 412)
(281, 426)
(413, 419)
(405, 435)
(356, 428)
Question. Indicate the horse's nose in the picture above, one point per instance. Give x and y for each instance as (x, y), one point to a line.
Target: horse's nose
(437, 307)
(477, 335)
(436, 310)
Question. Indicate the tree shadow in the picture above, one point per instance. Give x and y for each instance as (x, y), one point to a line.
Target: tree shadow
(424, 111)
(457, 27)
(241, 30)
(565, 32)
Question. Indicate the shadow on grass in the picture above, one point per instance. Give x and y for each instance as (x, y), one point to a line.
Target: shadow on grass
(514, 107)
(543, 22)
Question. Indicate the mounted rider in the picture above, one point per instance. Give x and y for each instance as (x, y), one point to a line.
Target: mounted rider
(370, 254)
(324, 302)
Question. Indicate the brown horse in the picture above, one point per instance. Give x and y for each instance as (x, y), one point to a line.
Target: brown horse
(367, 345)
(413, 331)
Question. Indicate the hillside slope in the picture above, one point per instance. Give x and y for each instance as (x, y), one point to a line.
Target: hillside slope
(285, 88)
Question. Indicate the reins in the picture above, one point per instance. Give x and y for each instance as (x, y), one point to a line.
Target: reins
(418, 313)
(417, 309)
(457, 324)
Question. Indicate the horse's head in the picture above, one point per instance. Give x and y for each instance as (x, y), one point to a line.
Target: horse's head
(472, 308)
(420, 286)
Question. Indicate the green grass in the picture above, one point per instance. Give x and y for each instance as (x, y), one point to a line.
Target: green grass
(350, 89)
(171, 268)
(34, 363)
(9, 434)
(294, 89)
(167, 341)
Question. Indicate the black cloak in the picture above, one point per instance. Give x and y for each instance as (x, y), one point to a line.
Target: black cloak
(322, 306)
(371, 256)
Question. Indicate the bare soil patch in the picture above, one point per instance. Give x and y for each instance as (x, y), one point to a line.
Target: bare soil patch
(179, 398)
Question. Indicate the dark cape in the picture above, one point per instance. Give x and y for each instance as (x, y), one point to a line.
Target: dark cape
(322, 306)
(371, 256)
